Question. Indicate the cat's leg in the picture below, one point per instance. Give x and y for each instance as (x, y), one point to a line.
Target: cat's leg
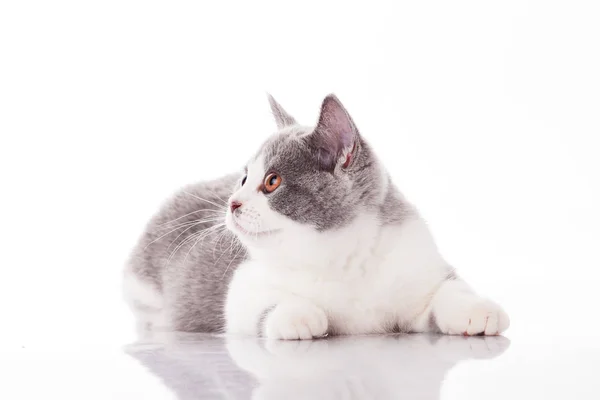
(456, 310)
(256, 306)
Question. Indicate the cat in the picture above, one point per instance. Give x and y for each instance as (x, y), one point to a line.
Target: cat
(312, 239)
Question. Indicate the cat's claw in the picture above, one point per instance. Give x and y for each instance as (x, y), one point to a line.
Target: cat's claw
(296, 320)
(482, 317)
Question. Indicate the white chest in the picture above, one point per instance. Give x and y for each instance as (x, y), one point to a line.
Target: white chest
(383, 279)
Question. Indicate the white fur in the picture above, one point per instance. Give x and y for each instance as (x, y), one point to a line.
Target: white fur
(137, 291)
(145, 302)
(363, 278)
(458, 311)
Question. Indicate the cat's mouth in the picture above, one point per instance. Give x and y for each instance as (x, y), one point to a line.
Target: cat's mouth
(253, 235)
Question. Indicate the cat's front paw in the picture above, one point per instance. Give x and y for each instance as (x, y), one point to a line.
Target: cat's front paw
(296, 320)
(469, 318)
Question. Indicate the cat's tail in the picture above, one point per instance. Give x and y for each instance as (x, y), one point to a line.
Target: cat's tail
(145, 301)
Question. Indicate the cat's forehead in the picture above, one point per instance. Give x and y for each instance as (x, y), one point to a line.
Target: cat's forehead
(285, 148)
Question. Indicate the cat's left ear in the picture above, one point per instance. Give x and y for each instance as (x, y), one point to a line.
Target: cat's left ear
(335, 136)
(282, 118)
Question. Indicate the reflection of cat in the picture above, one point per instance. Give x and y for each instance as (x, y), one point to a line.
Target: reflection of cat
(378, 367)
(193, 366)
(357, 367)
(319, 241)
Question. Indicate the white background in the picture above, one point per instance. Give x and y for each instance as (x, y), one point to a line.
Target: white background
(486, 113)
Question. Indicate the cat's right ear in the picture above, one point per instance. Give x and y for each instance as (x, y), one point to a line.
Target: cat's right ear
(282, 118)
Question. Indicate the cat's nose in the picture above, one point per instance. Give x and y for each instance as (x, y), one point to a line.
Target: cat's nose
(235, 205)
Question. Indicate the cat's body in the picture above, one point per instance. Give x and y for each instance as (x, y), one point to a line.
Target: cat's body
(324, 244)
(182, 265)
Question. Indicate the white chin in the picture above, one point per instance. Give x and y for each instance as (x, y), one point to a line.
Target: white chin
(247, 235)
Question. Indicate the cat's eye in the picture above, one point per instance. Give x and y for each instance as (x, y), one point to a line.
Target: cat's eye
(272, 182)
(244, 179)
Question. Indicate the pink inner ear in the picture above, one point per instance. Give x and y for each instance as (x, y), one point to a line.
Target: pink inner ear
(336, 123)
(349, 156)
(347, 162)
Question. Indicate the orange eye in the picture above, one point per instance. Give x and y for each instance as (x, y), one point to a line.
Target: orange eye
(272, 182)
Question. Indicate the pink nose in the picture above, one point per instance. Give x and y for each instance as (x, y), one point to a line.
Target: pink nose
(235, 205)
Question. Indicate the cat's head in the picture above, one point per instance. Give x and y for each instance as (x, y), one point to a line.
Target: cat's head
(306, 181)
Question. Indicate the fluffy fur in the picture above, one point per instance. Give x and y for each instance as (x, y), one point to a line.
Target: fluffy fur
(334, 250)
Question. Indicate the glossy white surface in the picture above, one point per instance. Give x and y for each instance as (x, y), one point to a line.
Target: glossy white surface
(190, 366)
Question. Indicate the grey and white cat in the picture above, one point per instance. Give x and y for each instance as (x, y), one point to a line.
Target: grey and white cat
(312, 239)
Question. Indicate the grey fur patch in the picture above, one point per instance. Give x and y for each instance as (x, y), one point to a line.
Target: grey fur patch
(398, 327)
(393, 209)
(433, 326)
(452, 275)
(189, 258)
(395, 329)
(260, 325)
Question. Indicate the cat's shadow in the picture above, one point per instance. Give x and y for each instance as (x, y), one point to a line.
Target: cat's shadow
(359, 367)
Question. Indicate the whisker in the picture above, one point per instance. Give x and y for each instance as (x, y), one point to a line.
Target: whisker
(191, 248)
(219, 237)
(195, 237)
(232, 260)
(202, 234)
(224, 211)
(185, 230)
(215, 194)
(171, 231)
(160, 237)
(208, 219)
(208, 201)
(201, 237)
(256, 226)
(208, 231)
(233, 239)
(196, 234)
(228, 250)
